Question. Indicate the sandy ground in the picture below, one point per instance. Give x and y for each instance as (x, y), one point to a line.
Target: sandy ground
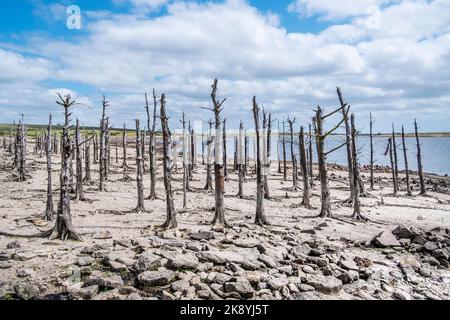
(49, 264)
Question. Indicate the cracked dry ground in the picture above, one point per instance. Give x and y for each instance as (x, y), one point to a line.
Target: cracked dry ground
(125, 256)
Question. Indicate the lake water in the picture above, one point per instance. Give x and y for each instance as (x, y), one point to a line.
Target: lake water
(435, 152)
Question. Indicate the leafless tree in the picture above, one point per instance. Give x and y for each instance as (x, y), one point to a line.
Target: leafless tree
(304, 168)
(49, 210)
(210, 141)
(423, 190)
(103, 147)
(293, 157)
(355, 174)
(371, 154)
(389, 148)
(405, 157)
(140, 170)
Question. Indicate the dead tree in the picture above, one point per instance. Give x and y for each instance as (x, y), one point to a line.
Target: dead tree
(95, 147)
(310, 150)
(219, 216)
(64, 228)
(79, 167)
(171, 220)
(224, 138)
(304, 168)
(423, 190)
(107, 150)
(152, 150)
(284, 153)
(389, 149)
(103, 147)
(140, 170)
(240, 160)
(72, 174)
(185, 160)
(260, 217)
(117, 151)
(278, 149)
(209, 186)
(371, 154)
(49, 210)
(21, 151)
(246, 154)
(356, 178)
(87, 164)
(235, 160)
(394, 146)
(267, 131)
(405, 157)
(294, 161)
(321, 135)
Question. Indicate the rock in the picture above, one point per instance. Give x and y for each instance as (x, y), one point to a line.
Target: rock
(149, 279)
(221, 257)
(401, 295)
(277, 283)
(302, 249)
(13, 245)
(147, 262)
(308, 269)
(268, 261)
(180, 285)
(195, 246)
(102, 235)
(117, 266)
(221, 278)
(126, 243)
(5, 265)
(25, 273)
(94, 248)
(309, 231)
(167, 296)
(77, 292)
(183, 261)
(349, 265)
(402, 232)
(24, 256)
(204, 235)
(306, 288)
(203, 294)
(241, 286)
(385, 239)
(134, 297)
(108, 282)
(26, 291)
(85, 261)
(324, 284)
(420, 218)
(419, 239)
(109, 295)
(349, 276)
(320, 262)
(430, 246)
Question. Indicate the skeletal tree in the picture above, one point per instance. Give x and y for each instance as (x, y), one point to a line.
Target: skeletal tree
(117, 151)
(240, 160)
(310, 150)
(389, 148)
(79, 167)
(103, 147)
(294, 162)
(224, 139)
(246, 154)
(49, 210)
(267, 131)
(107, 150)
(140, 170)
(260, 217)
(348, 146)
(64, 228)
(304, 168)
(321, 135)
(371, 154)
(152, 147)
(235, 161)
(284, 153)
(356, 179)
(171, 220)
(210, 141)
(423, 190)
(185, 160)
(219, 216)
(87, 164)
(405, 157)
(278, 149)
(95, 146)
(394, 146)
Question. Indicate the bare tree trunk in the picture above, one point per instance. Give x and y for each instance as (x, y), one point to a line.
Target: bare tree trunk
(107, 150)
(49, 210)
(64, 228)
(246, 155)
(79, 172)
(325, 210)
(209, 186)
(371, 154)
(284, 154)
(152, 151)
(423, 190)
(294, 161)
(96, 157)
(278, 150)
(310, 148)
(405, 156)
(103, 153)
(185, 161)
(219, 216)
(356, 178)
(235, 160)
(260, 217)
(240, 160)
(267, 132)
(304, 167)
(394, 146)
(72, 174)
(171, 221)
(87, 164)
(140, 170)
(391, 157)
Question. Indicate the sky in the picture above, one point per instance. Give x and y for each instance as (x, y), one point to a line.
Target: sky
(390, 58)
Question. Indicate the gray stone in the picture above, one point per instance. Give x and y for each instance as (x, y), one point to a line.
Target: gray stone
(385, 239)
(13, 245)
(401, 295)
(430, 246)
(321, 262)
(162, 277)
(24, 256)
(117, 266)
(349, 265)
(85, 261)
(5, 265)
(419, 239)
(26, 291)
(349, 276)
(308, 269)
(221, 278)
(102, 235)
(221, 257)
(147, 262)
(402, 232)
(204, 235)
(324, 284)
(180, 285)
(268, 261)
(134, 296)
(183, 261)
(241, 286)
(167, 296)
(77, 292)
(306, 288)
(277, 283)
(25, 273)
(109, 282)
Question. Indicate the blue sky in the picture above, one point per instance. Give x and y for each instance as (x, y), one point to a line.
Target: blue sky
(389, 56)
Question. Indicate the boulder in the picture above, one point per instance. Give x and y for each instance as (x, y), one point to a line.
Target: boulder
(149, 279)
(180, 285)
(26, 291)
(76, 291)
(204, 235)
(147, 262)
(385, 239)
(85, 261)
(183, 261)
(108, 282)
(402, 232)
(324, 284)
(241, 286)
(349, 276)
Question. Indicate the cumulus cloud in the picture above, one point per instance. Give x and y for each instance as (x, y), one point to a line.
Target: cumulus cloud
(397, 69)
